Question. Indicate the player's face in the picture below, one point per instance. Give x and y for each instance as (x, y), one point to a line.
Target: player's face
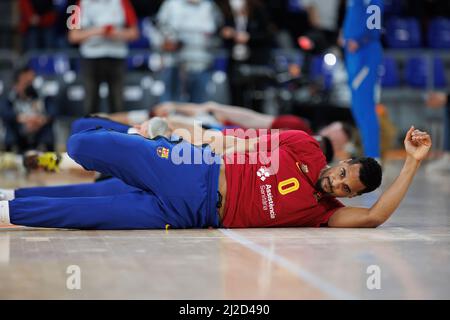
(341, 180)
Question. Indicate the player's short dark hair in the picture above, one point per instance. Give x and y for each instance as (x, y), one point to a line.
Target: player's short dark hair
(370, 173)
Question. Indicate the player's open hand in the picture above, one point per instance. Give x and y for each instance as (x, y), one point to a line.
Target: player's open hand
(417, 143)
(142, 129)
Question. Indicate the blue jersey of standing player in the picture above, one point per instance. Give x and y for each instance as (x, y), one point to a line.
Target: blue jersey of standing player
(362, 26)
(356, 17)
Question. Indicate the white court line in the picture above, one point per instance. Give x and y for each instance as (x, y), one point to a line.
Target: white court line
(305, 275)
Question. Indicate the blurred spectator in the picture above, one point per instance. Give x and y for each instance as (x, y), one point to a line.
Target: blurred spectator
(323, 18)
(248, 40)
(28, 117)
(106, 27)
(287, 16)
(37, 22)
(363, 54)
(439, 100)
(188, 30)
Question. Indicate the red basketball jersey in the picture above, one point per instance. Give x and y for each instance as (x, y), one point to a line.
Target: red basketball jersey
(278, 190)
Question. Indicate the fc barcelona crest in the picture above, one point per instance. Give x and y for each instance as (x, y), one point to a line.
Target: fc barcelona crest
(162, 152)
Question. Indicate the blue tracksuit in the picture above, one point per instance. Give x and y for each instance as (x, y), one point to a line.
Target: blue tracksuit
(108, 187)
(90, 122)
(156, 182)
(362, 67)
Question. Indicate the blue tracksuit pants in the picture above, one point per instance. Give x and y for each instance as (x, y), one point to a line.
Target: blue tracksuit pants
(156, 183)
(362, 68)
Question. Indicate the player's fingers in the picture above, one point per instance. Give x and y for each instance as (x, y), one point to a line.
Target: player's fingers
(424, 139)
(422, 135)
(409, 133)
(418, 138)
(418, 133)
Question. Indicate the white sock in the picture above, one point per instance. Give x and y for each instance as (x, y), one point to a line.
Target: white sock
(4, 213)
(8, 194)
(68, 163)
(132, 131)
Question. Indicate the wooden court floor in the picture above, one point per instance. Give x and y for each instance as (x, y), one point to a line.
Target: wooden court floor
(410, 253)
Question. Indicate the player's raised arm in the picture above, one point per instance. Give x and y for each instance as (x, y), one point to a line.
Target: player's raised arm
(417, 146)
(166, 109)
(244, 117)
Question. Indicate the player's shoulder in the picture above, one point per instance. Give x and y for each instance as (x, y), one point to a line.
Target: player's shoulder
(298, 134)
(299, 139)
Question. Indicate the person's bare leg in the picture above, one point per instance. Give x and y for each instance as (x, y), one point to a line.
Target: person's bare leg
(240, 116)
(130, 118)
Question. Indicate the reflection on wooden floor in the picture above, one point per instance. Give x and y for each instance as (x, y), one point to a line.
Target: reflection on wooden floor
(412, 251)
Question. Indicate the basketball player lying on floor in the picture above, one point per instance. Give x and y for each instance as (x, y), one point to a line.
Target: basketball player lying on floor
(215, 115)
(277, 180)
(174, 124)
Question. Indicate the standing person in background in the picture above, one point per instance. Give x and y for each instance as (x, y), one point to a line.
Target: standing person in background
(247, 39)
(37, 20)
(289, 20)
(439, 100)
(363, 55)
(106, 27)
(322, 33)
(323, 18)
(188, 29)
